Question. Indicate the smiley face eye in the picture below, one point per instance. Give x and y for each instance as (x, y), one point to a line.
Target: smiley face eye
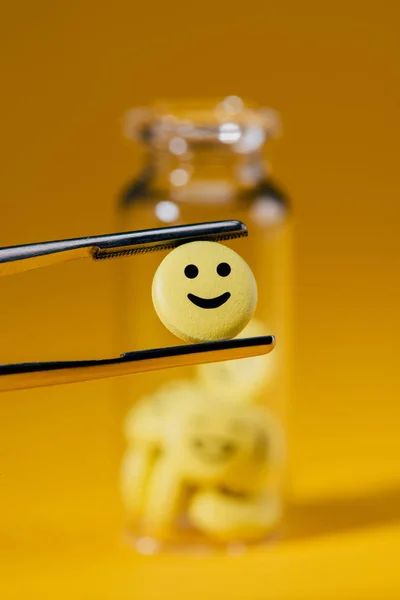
(191, 271)
(223, 269)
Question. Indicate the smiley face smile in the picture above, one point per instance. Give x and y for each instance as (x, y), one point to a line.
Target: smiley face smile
(209, 302)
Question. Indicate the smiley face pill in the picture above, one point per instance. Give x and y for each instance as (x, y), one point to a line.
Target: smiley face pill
(204, 291)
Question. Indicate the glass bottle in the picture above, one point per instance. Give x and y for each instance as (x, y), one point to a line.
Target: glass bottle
(204, 162)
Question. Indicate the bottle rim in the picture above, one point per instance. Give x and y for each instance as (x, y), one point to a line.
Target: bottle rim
(175, 125)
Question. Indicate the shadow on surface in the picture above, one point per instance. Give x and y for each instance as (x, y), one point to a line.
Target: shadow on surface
(336, 515)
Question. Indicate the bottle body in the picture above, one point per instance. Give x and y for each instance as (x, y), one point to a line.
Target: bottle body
(203, 463)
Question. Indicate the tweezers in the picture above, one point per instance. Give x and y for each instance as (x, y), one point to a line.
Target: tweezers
(17, 259)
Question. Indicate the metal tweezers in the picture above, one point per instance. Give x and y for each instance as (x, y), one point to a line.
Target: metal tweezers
(16, 259)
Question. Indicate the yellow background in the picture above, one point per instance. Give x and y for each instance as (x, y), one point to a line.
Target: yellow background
(69, 70)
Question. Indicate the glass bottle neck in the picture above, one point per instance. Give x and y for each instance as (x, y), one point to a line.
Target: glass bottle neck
(205, 172)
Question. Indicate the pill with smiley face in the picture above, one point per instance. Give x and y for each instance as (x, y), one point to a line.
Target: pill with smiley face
(204, 291)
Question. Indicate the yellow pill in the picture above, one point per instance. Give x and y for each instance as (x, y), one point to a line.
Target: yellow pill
(204, 291)
(164, 500)
(141, 425)
(228, 519)
(136, 469)
(240, 380)
(218, 443)
(145, 421)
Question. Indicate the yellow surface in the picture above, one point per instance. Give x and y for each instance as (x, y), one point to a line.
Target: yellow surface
(69, 71)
